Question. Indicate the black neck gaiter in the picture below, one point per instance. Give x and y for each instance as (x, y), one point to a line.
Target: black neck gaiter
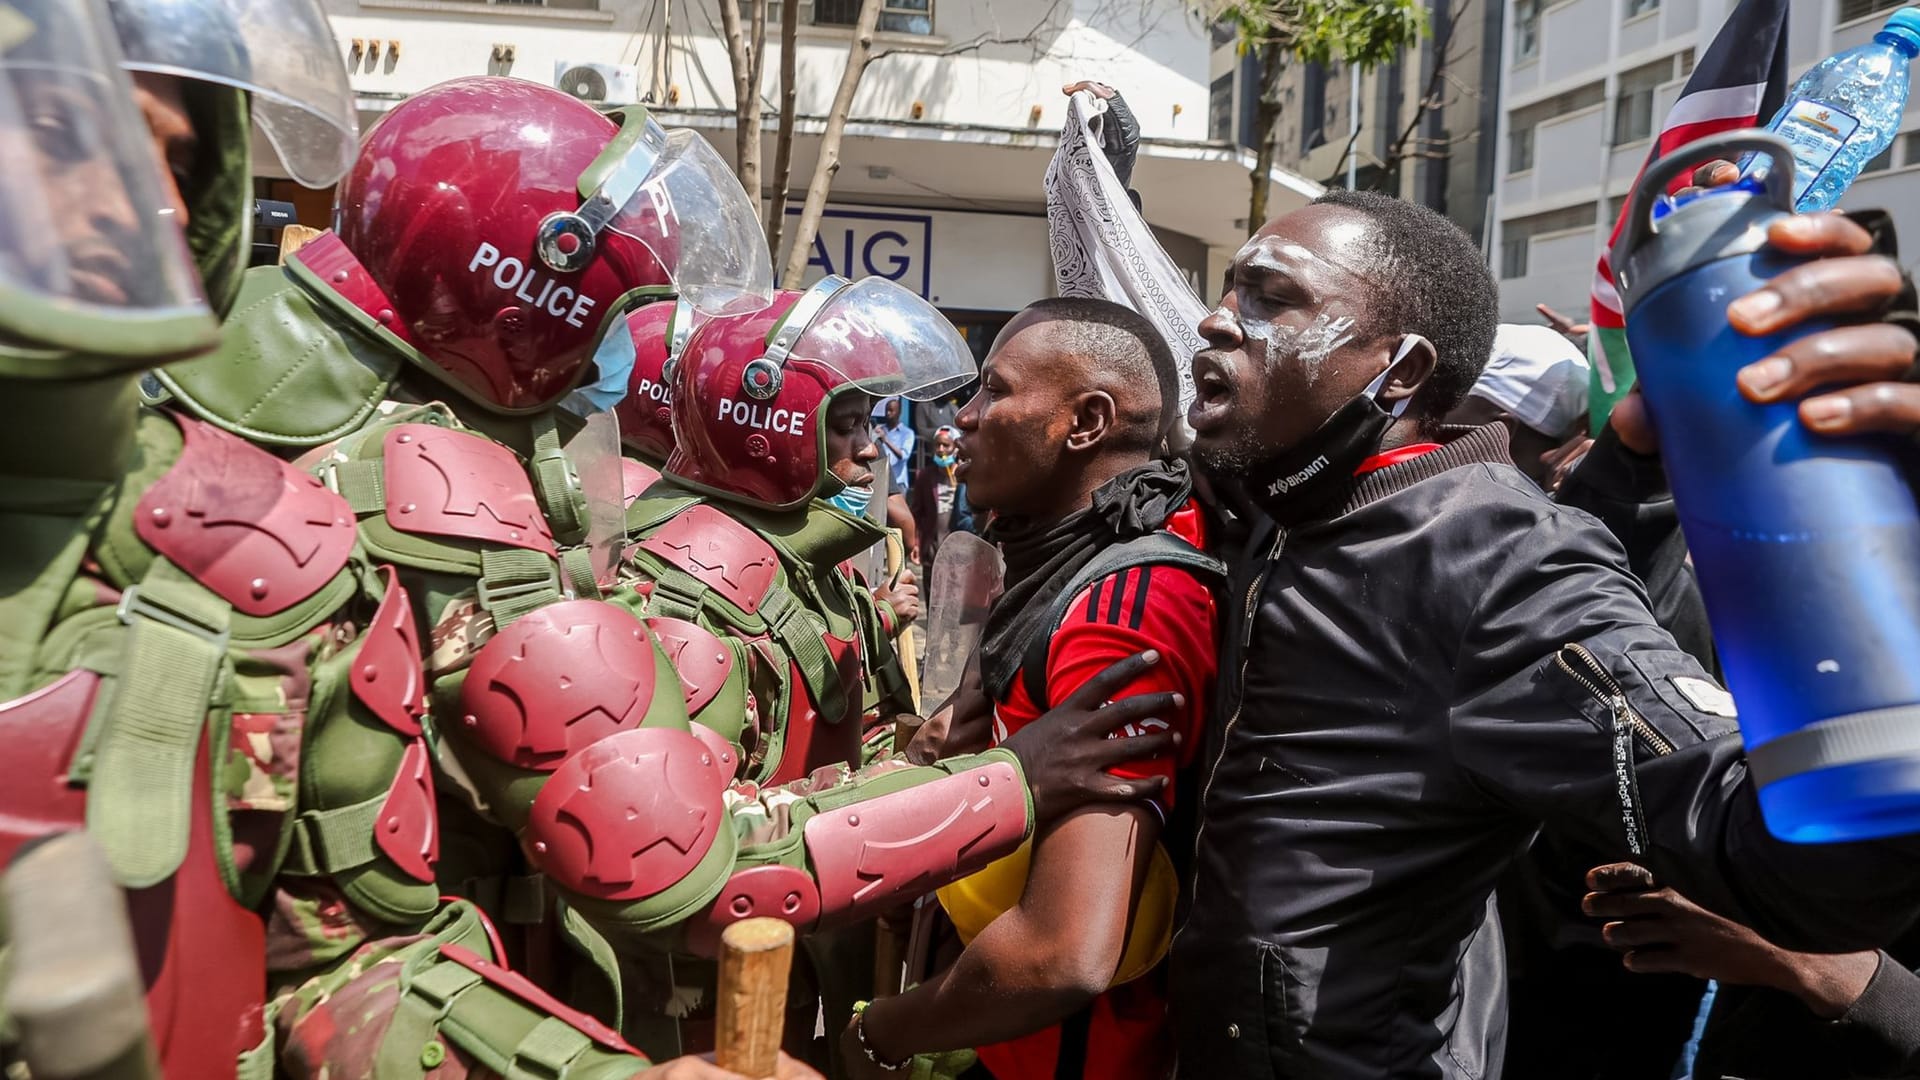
(1317, 472)
(1042, 558)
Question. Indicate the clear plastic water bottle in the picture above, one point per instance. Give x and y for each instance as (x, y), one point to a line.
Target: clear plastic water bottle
(1845, 111)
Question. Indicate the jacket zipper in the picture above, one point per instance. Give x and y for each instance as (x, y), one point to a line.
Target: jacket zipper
(1587, 670)
(1239, 704)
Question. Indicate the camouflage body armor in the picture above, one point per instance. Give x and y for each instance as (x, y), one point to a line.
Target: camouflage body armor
(594, 750)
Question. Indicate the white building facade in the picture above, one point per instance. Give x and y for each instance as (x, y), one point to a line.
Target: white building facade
(940, 183)
(1584, 85)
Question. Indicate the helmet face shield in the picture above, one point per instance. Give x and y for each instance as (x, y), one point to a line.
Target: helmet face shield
(281, 52)
(671, 192)
(92, 259)
(885, 340)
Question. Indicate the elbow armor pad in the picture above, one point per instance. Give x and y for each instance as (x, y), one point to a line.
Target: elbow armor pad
(880, 842)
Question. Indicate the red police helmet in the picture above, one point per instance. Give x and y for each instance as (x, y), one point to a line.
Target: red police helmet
(495, 227)
(751, 391)
(656, 334)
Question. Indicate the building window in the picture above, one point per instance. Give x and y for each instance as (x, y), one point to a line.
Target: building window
(1220, 108)
(1633, 102)
(896, 16)
(1910, 148)
(1313, 107)
(1641, 7)
(1516, 237)
(1686, 62)
(1881, 161)
(1519, 150)
(1860, 9)
(1526, 29)
(1513, 256)
(1522, 123)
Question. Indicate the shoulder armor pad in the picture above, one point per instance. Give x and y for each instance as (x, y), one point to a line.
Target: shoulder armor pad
(631, 816)
(261, 534)
(557, 681)
(408, 828)
(444, 482)
(635, 477)
(725, 759)
(721, 553)
(386, 675)
(701, 658)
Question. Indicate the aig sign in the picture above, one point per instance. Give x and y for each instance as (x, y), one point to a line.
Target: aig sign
(860, 243)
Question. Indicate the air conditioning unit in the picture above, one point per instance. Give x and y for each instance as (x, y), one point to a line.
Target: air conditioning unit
(611, 83)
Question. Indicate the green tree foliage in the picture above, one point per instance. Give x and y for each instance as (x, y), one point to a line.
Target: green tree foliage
(1358, 32)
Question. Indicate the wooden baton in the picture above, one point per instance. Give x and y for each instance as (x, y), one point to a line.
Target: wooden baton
(75, 993)
(754, 957)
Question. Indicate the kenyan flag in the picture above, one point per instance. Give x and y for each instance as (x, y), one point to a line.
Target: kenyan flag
(1740, 82)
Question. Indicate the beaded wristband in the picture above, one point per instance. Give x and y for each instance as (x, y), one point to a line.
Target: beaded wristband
(860, 1035)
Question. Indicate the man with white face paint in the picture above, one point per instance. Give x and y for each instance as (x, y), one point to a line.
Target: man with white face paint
(1426, 663)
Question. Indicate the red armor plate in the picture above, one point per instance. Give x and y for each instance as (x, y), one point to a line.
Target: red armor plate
(812, 740)
(635, 478)
(873, 854)
(723, 554)
(40, 733)
(442, 482)
(557, 681)
(776, 891)
(725, 761)
(701, 658)
(628, 817)
(258, 532)
(203, 956)
(386, 675)
(516, 985)
(407, 828)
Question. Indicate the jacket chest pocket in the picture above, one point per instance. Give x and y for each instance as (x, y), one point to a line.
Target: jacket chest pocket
(1244, 1026)
(1280, 1013)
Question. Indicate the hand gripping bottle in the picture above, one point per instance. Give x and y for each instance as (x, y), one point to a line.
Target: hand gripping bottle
(1807, 548)
(1845, 111)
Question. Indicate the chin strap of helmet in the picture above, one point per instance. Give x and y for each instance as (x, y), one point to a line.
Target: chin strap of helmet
(679, 329)
(566, 240)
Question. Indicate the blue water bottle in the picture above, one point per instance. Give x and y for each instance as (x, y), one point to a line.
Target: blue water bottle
(1845, 110)
(1807, 548)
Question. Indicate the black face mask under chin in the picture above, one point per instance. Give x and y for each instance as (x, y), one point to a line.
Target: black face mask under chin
(1318, 471)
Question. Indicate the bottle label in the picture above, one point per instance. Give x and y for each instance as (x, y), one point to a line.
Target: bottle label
(1816, 133)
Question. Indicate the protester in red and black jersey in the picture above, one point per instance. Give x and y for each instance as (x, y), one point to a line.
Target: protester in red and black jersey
(1060, 977)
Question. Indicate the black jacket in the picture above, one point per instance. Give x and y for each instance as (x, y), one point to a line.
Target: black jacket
(1753, 1033)
(1410, 690)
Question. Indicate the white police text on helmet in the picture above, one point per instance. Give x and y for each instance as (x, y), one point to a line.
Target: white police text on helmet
(512, 276)
(654, 391)
(764, 417)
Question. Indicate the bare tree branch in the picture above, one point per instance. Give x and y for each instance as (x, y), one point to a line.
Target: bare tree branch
(1031, 37)
(859, 54)
(743, 56)
(783, 134)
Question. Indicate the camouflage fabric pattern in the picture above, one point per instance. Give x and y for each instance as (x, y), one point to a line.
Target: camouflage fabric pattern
(375, 1015)
(259, 776)
(311, 926)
